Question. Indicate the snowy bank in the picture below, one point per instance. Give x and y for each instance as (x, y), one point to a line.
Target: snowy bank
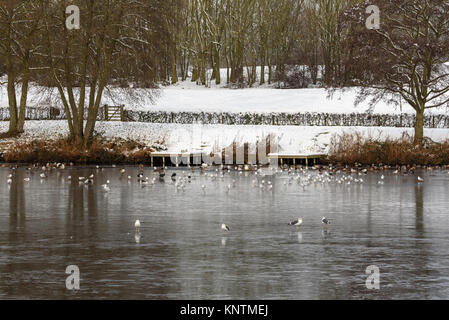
(177, 138)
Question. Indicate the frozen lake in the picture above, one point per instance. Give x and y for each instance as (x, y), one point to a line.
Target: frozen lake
(400, 226)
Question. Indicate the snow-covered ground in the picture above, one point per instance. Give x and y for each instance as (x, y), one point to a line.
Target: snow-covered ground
(189, 97)
(177, 138)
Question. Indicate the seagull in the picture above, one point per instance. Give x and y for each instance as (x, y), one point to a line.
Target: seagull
(420, 179)
(43, 176)
(296, 222)
(325, 221)
(225, 227)
(140, 178)
(137, 225)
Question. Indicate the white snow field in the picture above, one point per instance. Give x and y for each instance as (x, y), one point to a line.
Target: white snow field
(189, 138)
(189, 97)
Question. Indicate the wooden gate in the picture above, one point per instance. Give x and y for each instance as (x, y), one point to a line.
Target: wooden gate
(114, 113)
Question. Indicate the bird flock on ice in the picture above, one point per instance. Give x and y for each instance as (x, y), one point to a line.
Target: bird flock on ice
(300, 175)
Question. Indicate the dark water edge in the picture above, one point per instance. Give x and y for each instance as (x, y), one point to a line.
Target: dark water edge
(401, 226)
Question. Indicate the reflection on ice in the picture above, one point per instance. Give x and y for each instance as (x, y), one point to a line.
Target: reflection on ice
(400, 225)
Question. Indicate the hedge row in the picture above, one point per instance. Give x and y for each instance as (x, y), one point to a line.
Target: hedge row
(296, 119)
(41, 113)
(247, 118)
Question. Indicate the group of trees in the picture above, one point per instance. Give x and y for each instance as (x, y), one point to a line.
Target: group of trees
(235, 34)
(119, 42)
(243, 34)
(19, 24)
(303, 41)
(298, 42)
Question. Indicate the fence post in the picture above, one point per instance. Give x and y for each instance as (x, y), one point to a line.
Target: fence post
(106, 112)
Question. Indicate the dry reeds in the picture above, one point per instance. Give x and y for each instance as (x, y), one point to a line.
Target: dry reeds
(100, 151)
(355, 148)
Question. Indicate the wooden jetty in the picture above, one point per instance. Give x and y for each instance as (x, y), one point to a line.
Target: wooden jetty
(178, 157)
(296, 156)
(185, 157)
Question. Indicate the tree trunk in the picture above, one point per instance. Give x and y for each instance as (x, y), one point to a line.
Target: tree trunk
(92, 115)
(419, 127)
(12, 106)
(194, 74)
(174, 71)
(237, 74)
(270, 73)
(217, 67)
(23, 101)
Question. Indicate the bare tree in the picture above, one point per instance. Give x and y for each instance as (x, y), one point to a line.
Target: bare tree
(111, 43)
(404, 60)
(19, 26)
